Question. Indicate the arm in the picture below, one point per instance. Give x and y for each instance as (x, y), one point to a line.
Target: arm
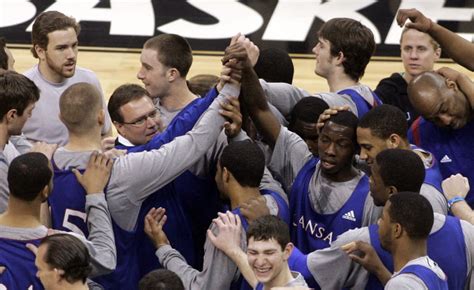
(180, 124)
(455, 189)
(252, 95)
(463, 81)
(283, 96)
(99, 223)
(435, 197)
(218, 270)
(228, 241)
(458, 48)
(368, 258)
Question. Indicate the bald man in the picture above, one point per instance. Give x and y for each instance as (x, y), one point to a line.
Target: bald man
(445, 99)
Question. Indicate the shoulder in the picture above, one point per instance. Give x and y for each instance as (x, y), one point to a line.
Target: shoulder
(85, 75)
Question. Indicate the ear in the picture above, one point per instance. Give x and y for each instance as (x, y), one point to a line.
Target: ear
(172, 74)
(397, 230)
(45, 193)
(58, 274)
(225, 175)
(10, 115)
(41, 52)
(451, 84)
(394, 141)
(339, 58)
(392, 190)
(287, 251)
(119, 127)
(101, 117)
(437, 53)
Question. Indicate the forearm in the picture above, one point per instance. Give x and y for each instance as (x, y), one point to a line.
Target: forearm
(240, 259)
(101, 235)
(458, 48)
(463, 211)
(254, 99)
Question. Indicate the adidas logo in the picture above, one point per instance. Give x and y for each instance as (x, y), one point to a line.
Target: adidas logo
(446, 159)
(349, 216)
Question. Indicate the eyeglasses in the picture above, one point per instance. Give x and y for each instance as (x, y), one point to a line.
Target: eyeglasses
(142, 120)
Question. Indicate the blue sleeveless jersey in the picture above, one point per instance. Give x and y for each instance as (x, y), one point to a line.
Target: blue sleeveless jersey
(67, 202)
(432, 174)
(135, 251)
(446, 247)
(19, 262)
(362, 105)
(431, 280)
(452, 148)
(311, 231)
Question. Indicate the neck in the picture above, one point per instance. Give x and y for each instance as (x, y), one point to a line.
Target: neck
(4, 136)
(239, 194)
(345, 174)
(49, 74)
(405, 252)
(74, 286)
(282, 279)
(407, 77)
(84, 142)
(339, 81)
(22, 214)
(404, 144)
(179, 96)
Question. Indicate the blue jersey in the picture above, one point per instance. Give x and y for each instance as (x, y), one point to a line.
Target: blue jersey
(446, 247)
(362, 105)
(310, 230)
(431, 280)
(67, 202)
(452, 148)
(19, 262)
(135, 251)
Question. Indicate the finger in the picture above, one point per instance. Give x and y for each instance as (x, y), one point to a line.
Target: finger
(2, 269)
(349, 247)
(162, 222)
(356, 259)
(147, 226)
(32, 248)
(211, 237)
(77, 174)
(238, 221)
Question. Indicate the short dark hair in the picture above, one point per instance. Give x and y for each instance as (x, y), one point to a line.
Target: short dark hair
(68, 253)
(413, 212)
(385, 120)
(246, 162)
(16, 92)
(202, 83)
(347, 119)
(269, 227)
(161, 279)
(275, 65)
(78, 106)
(401, 168)
(3, 54)
(354, 40)
(173, 51)
(47, 22)
(308, 110)
(28, 175)
(121, 96)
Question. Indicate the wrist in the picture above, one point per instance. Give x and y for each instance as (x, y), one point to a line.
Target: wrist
(454, 200)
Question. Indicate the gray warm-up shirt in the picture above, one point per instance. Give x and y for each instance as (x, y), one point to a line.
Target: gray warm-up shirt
(44, 124)
(349, 274)
(290, 155)
(285, 96)
(410, 281)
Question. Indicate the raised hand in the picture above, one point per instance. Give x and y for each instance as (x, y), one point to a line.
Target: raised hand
(154, 222)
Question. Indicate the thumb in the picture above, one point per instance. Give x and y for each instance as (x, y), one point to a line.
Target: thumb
(77, 174)
(2, 269)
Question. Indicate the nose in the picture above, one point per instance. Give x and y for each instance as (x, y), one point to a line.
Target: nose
(331, 149)
(413, 54)
(363, 154)
(140, 74)
(71, 53)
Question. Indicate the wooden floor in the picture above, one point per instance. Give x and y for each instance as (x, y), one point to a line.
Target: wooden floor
(116, 68)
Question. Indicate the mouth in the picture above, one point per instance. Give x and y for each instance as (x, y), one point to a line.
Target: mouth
(70, 65)
(326, 164)
(262, 271)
